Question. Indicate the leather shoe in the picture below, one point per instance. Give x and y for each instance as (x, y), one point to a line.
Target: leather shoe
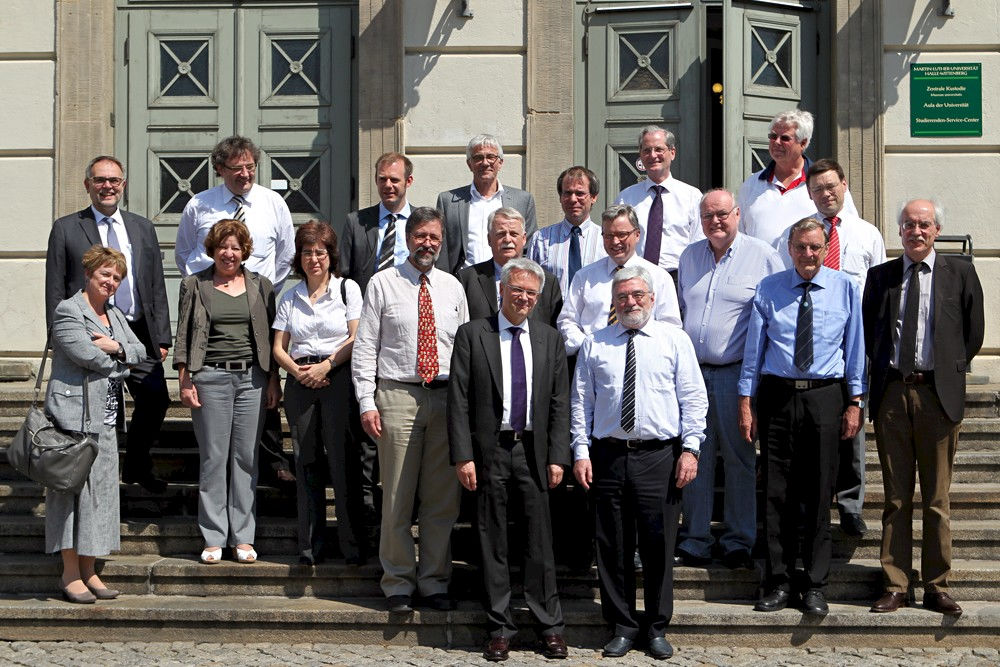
(104, 593)
(776, 600)
(891, 601)
(438, 602)
(554, 647)
(738, 559)
(398, 604)
(617, 647)
(814, 602)
(79, 598)
(660, 648)
(684, 558)
(852, 524)
(497, 649)
(941, 602)
(149, 481)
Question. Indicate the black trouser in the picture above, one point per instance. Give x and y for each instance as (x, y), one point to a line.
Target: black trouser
(150, 398)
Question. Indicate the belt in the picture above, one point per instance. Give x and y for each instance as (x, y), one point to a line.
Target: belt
(433, 384)
(803, 385)
(734, 363)
(512, 437)
(916, 377)
(311, 359)
(640, 444)
(235, 366)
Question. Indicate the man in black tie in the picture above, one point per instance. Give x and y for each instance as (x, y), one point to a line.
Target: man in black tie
(923, 318)
(142, 297)
(508, 428)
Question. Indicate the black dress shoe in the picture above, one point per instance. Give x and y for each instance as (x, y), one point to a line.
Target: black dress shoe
(554, 647)
(307, 560)
(776, 600)
(684, 558)
(942, 603)
(438, 602)
(660, 648)
(497, 649)
(398, 604)
(149, 481)
(814, 603)
(852, 524)
(889, 602)
(738, 559)
(617, 647)
(355, 561)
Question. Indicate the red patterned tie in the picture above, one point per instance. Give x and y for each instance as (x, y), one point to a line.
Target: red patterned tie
(833, 250)
(427, 351)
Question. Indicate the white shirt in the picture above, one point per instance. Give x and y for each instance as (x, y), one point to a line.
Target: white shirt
(317, 329)
(126, 248)
(401, 252)
(266, 216)
(861, 246)
(670, 397)
(925, 314)
(588, 302)
(549, 246)
(681, 216)
(506, 340)
(477, 244)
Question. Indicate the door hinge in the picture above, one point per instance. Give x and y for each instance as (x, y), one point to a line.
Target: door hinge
(354, 47)
(354, 189)
(112, 119)
(125, 52)
(585, 42)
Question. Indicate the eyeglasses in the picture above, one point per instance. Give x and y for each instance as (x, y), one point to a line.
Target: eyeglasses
(783, 138)
(319, 254)
(520, 291)
(802, 247)
(110, 180)
(637, 295)
(721, 215)
(618, 236)
(485, 157)
(910, 225)
(237, 168)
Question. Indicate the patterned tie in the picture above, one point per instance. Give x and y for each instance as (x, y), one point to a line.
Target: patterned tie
(628, 387)
(240, 213)
(612, 314)
(574, 253)
(427, 351)
(654, 226)
(832, 259)
(911, 310)
(518, 382)
(123, 295)
(387, 252)
(804, 330)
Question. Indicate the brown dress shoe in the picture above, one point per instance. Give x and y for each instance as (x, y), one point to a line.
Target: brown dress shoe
(497, 649)
(941, 602)
(891, 601)
(555, 647)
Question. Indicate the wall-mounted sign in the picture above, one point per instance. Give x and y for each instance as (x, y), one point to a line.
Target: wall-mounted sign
(946, 100)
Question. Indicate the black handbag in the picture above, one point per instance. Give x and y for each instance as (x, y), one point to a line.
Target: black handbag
(57, 459)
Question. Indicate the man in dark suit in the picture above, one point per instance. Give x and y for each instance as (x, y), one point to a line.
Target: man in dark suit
(142, 297)
(481, 281)
(923, 317)
(466, 208)
(508, 429)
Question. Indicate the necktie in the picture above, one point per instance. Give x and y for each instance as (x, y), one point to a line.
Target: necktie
(518, 382)
(628, 387)
(832, 259)
(427, 352)
(908, 336)
(240, 212)
(573, 265)
(387, 252)
(804, 330)
(612, 315)
(123, 295)
(654, 227)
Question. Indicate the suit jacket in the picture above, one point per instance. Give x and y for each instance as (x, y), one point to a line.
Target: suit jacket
(958, 327)
(481, 293)
(74, 234)
(454, 205)
(475, 397)
(76, 360)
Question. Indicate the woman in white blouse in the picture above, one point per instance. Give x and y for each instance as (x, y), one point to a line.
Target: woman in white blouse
(314, 333)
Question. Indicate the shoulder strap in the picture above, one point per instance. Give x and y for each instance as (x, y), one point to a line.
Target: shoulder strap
(343, 291)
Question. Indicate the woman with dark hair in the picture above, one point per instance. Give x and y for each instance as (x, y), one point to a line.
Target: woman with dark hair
(314, 335)
(223, 357)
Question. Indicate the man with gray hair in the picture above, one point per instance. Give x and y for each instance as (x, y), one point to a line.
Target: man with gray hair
(637, 420)
(466, 209)
(667, 208)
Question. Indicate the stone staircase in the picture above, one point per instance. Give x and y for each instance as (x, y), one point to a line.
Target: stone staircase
(169, 596)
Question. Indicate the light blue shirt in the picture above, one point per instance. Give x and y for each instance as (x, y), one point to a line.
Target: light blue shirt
(670, 397)
(716, 298)
(549, 247)
(838, 341)
(401, 252)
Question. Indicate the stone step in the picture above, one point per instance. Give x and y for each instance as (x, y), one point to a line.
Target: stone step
(970, 467)
(978, 500)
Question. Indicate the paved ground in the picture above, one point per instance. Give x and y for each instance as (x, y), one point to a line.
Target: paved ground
(239, 655)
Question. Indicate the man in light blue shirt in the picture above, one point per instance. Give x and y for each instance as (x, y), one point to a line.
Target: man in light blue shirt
(804, 361)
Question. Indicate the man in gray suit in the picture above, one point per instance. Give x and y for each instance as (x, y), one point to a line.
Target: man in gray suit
(142, 297)
(466, 208)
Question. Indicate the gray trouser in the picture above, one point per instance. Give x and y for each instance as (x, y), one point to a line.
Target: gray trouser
(228, 426)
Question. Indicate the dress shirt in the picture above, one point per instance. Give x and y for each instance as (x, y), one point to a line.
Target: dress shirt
(670, 400)
(838, 342)
(126, 248)
(506, 339)
(587, 303)
(267, 218)
(549, 247)
(681, 216)
(925, 314)
(401, 252)
(861, 246)
(716, 298)
(386, 344)
(477, 244)
(317, 329)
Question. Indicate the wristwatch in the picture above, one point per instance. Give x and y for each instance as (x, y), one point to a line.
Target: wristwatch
(693, 452)
(860, 403)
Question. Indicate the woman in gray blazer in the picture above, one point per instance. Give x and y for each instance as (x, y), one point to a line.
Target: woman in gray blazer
(93, 344)
(223, 357)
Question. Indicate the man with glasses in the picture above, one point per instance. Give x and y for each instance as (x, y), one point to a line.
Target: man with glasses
(142, 298)
(467, 208)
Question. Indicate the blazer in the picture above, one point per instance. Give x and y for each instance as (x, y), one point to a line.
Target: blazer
(958, 327)
(454, 205)
(76, 359)
(475, 397)
(481, 293)
(74, 234)
(193, 323)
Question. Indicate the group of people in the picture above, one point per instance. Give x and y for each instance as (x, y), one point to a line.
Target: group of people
(476, 351)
